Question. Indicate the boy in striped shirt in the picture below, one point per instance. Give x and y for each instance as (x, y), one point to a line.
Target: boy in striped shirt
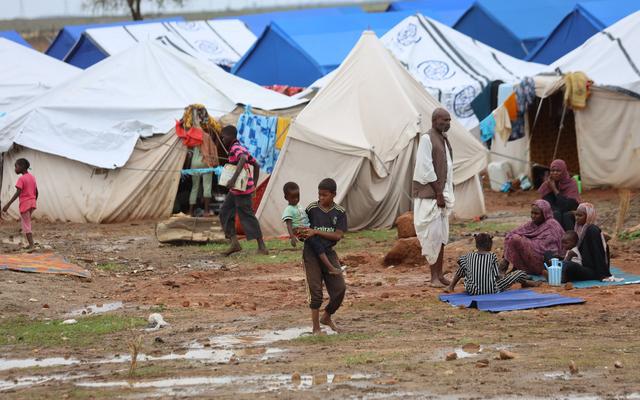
(481, 272)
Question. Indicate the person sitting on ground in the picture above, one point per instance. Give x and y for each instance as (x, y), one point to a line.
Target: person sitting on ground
(481, 272)
(561, 191)
(27, 192)
(570, 245)
(240, 201)
(592, 247)
(296, 219)
(328, 221)
(524, 247)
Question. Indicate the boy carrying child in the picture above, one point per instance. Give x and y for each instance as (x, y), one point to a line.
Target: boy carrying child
(328, 223)
(296, 219)
(481, 272)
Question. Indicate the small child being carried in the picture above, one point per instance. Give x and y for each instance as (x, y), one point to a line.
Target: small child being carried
(481, 273)
(296, 219)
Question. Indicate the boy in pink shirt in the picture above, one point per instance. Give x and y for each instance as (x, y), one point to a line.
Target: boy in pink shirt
(27, 191)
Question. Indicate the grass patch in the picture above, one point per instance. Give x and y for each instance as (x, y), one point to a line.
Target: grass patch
(281, 251)
(111, 267)
(628, 236)
(88, 330)
(483, 226)
(329, 339)
(366, 357)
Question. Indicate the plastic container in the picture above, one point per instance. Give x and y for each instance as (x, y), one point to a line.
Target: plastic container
(499, 173)
(555, 272)
(579, 182)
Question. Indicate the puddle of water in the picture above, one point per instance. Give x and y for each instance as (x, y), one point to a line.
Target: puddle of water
(259, 339)
(559, 375)
(6, 364)
(27, 381)
(96, 309)
(245, 384)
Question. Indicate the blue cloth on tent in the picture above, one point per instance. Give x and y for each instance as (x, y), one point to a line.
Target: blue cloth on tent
(487, 128)
(199, 171)
(628, 279)
(509, 301)
(258, 134)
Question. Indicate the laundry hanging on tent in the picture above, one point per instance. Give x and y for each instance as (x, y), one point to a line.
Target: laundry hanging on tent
(487, 100)
(258, 134)
(577, 85)
(190, 137)
(282, 130)
(201, 171)
(503, 123)
(488, 128)
(511, 105)
(525, 96)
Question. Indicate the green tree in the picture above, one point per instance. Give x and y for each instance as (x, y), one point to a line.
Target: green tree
(134, 6)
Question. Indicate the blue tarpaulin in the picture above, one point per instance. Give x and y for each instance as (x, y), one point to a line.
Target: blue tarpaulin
(446, 12)
(586, 19)
(510, 300)
(513, 27)
(299, 51)
(69, 35)
(258, 22)
(14, 37)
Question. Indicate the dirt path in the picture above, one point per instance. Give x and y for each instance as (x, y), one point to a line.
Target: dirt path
(236, 325)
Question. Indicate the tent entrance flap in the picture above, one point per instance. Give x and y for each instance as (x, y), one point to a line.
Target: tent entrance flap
(548, 141)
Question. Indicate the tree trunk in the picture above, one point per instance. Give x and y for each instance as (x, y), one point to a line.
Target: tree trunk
(134, 7)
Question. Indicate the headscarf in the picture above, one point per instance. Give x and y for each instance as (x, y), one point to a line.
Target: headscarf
(592, 216)
(544, 237)
(566, 184)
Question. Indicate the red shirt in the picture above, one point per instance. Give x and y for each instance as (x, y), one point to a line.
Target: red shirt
(235, 152)
(28, 189)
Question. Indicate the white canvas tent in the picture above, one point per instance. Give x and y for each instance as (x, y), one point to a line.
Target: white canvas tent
(453, 67)
(361, 130)
(610, 57)
(79, 135)
(26, 74)
(605, 133)
(222, 42)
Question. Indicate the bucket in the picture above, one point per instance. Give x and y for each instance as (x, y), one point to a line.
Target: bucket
(555, 272)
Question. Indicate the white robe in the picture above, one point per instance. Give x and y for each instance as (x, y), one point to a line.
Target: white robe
(431, 222)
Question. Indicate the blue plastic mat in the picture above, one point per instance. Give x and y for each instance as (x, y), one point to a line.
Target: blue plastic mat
(618, 273)
(509, 301)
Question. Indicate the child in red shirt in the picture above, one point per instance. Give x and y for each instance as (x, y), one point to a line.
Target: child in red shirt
(27, 191)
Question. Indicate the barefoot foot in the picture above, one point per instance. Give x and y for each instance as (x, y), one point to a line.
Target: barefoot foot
(234, 248)
(326, 320)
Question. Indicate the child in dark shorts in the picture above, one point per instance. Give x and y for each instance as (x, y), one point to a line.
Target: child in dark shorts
(297, 220)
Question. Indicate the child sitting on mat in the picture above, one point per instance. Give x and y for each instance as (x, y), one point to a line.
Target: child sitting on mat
(296, 218)
(570, 245)
(481, 273)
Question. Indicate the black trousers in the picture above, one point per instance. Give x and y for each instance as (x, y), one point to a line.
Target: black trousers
(241, 204)
(316, 275)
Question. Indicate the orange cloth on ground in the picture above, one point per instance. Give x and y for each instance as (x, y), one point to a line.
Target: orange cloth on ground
(511, 104)
(282, 129)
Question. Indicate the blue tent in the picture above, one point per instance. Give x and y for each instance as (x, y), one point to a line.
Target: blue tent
(14, 37)
(69, 35)
(299, 51)
(258, 22)
(446, 12)
(586, 19)
(514, 27)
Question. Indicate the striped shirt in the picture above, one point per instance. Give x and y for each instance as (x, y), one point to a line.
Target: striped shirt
(235, 152)
(480, 273)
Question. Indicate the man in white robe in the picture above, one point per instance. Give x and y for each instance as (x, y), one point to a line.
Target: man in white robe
(433, 193)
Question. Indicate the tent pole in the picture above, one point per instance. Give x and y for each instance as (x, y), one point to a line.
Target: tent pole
(555, 150)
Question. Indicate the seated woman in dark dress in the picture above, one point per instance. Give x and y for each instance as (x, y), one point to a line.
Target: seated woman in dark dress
(561, 191)
(593, 248)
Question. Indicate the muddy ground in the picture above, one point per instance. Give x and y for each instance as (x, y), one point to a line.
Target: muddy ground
(238, 325)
